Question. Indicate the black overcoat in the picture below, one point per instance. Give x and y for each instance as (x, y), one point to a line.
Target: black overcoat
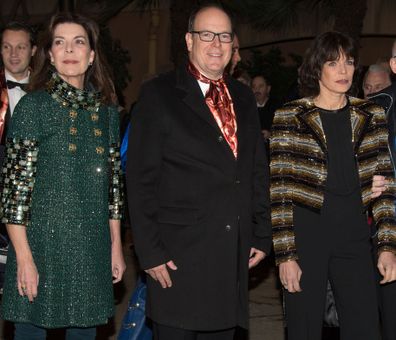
(192, 202)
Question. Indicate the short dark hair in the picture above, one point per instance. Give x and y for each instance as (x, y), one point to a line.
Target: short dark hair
(197, 10)
(264, 76)
(97, 74)
(20, 26)
(327, 46)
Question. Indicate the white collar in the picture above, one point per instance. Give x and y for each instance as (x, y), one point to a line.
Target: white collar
(8, 76)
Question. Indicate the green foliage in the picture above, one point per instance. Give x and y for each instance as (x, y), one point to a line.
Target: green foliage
(273, 65)
(118, 58)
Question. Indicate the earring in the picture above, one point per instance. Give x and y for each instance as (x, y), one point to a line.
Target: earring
(90, 63)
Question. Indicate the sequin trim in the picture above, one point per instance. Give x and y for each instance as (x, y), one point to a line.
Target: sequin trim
(116, 201)
(71, 97)
(18, 177)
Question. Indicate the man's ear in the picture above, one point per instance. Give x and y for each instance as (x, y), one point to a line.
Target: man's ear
(34, 49)
(189, 41)
(392, 64)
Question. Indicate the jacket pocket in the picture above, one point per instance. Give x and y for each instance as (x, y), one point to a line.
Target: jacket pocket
(177, 215)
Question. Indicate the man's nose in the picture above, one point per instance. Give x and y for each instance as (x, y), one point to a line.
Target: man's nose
(216, 40)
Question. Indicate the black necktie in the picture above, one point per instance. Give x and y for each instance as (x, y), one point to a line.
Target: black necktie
(11, 84)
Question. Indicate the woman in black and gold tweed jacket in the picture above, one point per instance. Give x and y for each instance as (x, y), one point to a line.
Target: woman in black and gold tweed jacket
(325, 150)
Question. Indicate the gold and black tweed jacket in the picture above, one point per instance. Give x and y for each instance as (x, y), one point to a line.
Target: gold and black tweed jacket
(299, 169)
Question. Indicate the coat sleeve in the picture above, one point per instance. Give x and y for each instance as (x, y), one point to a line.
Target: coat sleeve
(384, 205)
(116, 190)
(144, 159)
(20, 163)
(281, 187)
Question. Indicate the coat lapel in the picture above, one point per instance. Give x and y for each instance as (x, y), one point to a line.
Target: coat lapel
(239, 109)
(192, 96)
(359, 121)
(310, 117)
(311, 120)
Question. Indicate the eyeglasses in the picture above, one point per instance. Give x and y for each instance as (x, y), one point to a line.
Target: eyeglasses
(208, 36)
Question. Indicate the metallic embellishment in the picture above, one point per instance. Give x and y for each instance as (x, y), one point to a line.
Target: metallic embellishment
(94, 117)
(73, 114)
(98, 169)
(99, 150)
(72, 147)
(97, 132)
(69, 96)
(116, 191)
(18, 176)
(73, 131)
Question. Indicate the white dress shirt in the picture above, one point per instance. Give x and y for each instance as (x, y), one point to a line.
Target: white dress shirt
(15, 94)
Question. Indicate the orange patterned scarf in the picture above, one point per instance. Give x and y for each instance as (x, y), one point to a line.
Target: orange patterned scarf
(220, 104)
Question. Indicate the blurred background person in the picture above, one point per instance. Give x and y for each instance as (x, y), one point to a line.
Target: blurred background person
(261, 87)
(376, 79)
(63, 155)
(387, 293)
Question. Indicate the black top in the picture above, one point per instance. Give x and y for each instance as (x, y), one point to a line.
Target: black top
(342, 175)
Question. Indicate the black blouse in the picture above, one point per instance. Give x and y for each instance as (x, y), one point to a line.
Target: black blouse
(342, 174)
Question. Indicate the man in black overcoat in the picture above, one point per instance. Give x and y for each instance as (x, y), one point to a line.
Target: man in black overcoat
(198, 189)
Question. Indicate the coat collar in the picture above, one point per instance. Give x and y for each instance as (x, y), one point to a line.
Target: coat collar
(190, 93)
(309, 115)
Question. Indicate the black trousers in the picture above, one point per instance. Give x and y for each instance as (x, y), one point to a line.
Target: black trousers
(387, 302)
(334, 245)
(162, 332)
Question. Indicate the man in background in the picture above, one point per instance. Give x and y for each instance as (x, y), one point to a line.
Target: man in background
(17, 49)
(376, 79)
(261, 87)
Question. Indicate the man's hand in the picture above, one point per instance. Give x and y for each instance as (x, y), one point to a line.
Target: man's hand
(290, 275)
(161, 274)
(379, 185)
(255, 257)
(387, 266)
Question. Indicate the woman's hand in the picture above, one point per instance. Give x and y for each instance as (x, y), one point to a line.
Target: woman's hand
(290, 275)
(387, 266)
(27, 278)
(378, 186)
(117, 262)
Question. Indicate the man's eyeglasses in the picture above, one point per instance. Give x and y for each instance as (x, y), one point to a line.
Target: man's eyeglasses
(208, 36)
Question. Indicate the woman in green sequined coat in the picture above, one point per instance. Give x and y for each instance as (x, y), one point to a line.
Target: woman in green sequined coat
(62, 197)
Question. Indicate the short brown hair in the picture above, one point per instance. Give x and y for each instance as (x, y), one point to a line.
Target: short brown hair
(97, 75)
(327, 46)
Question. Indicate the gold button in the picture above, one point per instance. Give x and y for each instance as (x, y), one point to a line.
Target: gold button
(73, 114)
(73, 131)
(72, 147)
(97, 132)
(99, 150)
(94, 117)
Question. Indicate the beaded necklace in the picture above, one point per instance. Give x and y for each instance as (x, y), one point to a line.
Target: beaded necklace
(70, 96)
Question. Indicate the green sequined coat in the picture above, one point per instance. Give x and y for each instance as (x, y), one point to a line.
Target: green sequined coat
(61, 180)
